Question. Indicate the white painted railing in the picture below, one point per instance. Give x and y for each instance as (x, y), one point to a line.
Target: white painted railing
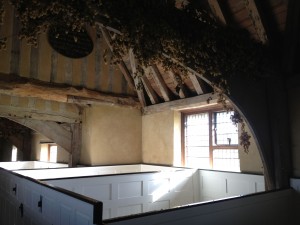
(24, 201)
(92, 171)
(217, 184)
(27, 165)
(274, 208)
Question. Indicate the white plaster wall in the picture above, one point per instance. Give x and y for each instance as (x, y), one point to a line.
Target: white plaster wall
(111, 135)
(158, 138)
(250, 162)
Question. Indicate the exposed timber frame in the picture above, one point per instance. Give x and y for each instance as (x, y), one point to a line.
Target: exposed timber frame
(166, 93)
(182, 104)
(24, 87)
(68, 139)
(121, 64)
(52, 130)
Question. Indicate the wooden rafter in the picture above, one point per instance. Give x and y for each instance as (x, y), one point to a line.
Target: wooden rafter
(190, 70)
(150, 91)
(256, 20)
(217, 11)
(182, 91)
(196, 83)
(137, 80)
(122, 65)
(161, 84)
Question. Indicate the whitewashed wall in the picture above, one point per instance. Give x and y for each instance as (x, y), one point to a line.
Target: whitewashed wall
(26, 202)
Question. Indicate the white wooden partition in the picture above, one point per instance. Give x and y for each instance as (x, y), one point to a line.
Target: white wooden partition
(24, 201)
(274, 208)
(27, 165)
(143, 192)
(132, 189)
(136, 193)
(218, 184)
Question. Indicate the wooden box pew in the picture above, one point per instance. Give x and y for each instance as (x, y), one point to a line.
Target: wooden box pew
(132, 193)
(139, 188)
(24, 201)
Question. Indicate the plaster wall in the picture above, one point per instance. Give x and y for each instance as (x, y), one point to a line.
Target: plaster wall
(158, 138)
(162, 137)
(37, 138)
(251, 161)
(111, 135)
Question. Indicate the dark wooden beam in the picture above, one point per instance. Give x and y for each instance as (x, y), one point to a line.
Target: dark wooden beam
(137, 81)
(76, 144)
(256, 20)
(128, 102)
(23, 87)
(24, 107)
(181, 104)
(217, 11)
(149, 90)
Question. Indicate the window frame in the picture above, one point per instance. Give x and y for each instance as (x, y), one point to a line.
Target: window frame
(210, 110)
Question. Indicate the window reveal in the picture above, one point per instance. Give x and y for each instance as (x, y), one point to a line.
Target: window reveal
(210, 141)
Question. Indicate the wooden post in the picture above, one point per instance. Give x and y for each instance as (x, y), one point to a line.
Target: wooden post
(76, 130)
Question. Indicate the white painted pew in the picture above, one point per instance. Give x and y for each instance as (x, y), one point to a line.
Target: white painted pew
(24, 201)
